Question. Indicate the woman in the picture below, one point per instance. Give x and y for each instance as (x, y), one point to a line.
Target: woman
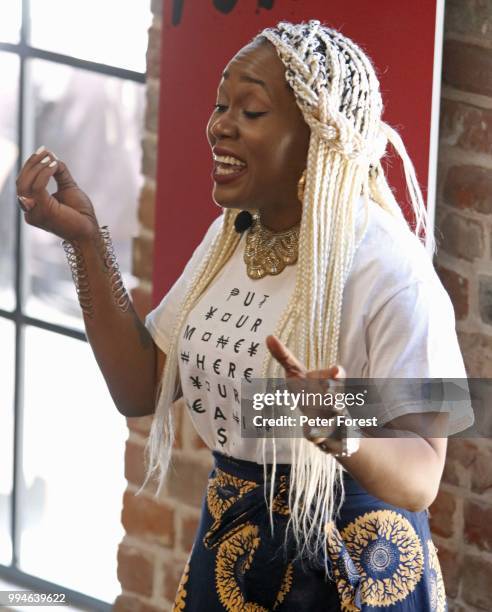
(300, 523)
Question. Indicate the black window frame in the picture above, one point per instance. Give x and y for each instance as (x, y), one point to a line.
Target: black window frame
(24, 51)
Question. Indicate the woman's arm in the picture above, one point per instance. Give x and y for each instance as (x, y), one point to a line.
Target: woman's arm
(411, 336)
(403, 471)
(127, 356)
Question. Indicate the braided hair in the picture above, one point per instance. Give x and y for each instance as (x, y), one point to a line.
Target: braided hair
(337, 91)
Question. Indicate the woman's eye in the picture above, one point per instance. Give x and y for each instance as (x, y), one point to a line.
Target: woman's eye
(252, 115)
(220, 108)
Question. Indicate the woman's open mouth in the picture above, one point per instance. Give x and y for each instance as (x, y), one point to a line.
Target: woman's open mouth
(227, 169)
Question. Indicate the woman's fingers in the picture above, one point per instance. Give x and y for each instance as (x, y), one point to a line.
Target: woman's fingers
(68, 212)
(334, 372)
(293, 367)
(32, 184)
(62, 176)
(40, 183)
(290, 363)
(325, 377)
(34, 159)
(35, 164)
(45, 207)
(299, 379)
(26, 203)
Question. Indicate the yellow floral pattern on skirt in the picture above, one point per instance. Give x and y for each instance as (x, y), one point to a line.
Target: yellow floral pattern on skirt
(180, 601)
(234, 556)
(378, 559)
(384, 550)
(437, 592)
(236, 550)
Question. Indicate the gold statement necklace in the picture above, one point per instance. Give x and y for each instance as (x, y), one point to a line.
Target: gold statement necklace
(268, 252)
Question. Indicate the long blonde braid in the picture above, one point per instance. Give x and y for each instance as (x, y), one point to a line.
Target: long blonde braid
(337, 91)
(161, 437)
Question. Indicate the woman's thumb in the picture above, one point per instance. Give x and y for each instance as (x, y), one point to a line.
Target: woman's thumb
(62, 176)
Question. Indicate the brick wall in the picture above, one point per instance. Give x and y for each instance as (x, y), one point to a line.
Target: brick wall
(462, 514)
(159, 533)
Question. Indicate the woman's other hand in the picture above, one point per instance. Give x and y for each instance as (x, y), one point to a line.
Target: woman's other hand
(68, 212)
(298, 378)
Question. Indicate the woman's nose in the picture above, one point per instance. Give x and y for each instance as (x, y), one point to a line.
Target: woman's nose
(222, 126)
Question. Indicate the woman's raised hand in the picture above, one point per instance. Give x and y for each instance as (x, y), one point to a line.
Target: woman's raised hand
(68, 212)
(295, 373)
(293, 368)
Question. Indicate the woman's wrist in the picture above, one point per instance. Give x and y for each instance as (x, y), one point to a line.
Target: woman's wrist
(338, 440)
(337, 445)
(80, 253)
(90, 238)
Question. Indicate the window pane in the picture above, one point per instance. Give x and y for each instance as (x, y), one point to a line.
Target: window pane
(73, 440)
(6, 436)
(93, 123)
(9, 69)
(110, 32)
(10, 21)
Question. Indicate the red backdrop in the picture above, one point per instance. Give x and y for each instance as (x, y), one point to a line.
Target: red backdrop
(199, 38)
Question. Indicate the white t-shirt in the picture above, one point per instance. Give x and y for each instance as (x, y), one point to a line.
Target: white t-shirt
(397, 322)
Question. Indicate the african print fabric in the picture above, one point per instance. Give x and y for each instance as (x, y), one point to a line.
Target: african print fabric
(381, 557)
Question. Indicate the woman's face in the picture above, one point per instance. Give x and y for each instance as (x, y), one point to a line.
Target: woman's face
(261, 125)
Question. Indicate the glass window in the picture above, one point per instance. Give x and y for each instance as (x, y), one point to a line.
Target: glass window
(93, 30)
(73, 468)
(72, 109)
(7, 331)
(9, 69)
(70, 479)
(10, 21)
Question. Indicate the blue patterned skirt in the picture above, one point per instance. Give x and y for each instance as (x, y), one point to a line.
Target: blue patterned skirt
(381, 557)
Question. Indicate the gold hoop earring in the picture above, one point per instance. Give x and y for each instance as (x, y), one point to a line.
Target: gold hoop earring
(300, 186)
